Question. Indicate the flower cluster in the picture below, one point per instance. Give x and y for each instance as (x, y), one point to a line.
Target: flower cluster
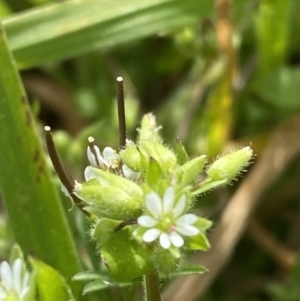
(142, 197)
(14, 284)
(110, 160)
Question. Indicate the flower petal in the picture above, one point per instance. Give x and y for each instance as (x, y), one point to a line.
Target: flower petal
(91, 156)
(186, 219)
(164, 240)
(151, 234)
(111, 158)
(6, 273)
(179, 207)
(146, 221)
(153, 204)
(168, 199)
(187, 230)
(176, 239)
(24, 292)
(89, 173)
(130, 174)
(17, 275)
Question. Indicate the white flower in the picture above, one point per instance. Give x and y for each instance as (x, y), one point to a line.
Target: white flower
(14, 285)
(166, 220)
(110, 158)
(130, 174)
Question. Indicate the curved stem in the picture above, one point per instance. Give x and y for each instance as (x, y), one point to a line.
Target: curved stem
(152, 286)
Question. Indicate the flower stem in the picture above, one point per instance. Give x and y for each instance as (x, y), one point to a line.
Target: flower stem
(64, 178)
(121, 111)
(152, 286)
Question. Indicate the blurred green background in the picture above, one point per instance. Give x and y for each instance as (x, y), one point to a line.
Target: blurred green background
(218, 74)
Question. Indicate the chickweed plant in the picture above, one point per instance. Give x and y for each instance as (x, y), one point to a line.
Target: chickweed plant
(140, 199)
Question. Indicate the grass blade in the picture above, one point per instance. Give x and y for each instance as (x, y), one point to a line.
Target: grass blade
(32, 204)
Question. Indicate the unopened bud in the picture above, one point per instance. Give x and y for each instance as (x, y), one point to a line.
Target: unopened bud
(229, 166)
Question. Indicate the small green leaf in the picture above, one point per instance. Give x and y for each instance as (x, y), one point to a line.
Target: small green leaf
(203, 223)
(198, 242)
(51, 285)
(181, 154)
(91, 275)
(154, 173)
(190, 170)
(189, 270)
(98, 285)
(208, 185)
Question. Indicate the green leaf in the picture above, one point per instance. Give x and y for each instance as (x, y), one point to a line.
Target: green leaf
(154, 174)
(203, 223)
(208, 186)
(181, 154)
(197, 242)
(273, 17)
(192, 169)
(50, 284)
(279, 88)
(189, 270)
(64, 30)
(34, 210)
(91, 275)
(98, 285)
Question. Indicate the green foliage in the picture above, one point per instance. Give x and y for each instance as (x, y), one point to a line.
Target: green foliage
(50, 284)
(32, 205)
(279, 88)
(67, 29)
(169, 53)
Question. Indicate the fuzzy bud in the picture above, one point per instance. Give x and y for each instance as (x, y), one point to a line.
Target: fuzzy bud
(229, 166)
(109, 195)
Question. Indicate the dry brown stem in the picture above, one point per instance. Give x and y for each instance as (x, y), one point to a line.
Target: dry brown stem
(282, 148)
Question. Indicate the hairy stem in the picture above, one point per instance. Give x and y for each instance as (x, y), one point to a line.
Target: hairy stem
(152, 286)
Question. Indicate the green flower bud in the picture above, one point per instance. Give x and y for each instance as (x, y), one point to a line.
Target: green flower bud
(109, 195)
(165, 262)
(124, 257)
(148, 130)
(190, 170)
(229, 166)
(103, 230)
(181, 154)
(134, 158)
(164, 157)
